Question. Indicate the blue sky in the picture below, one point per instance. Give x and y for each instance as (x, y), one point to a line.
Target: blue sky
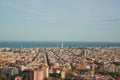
(60, 20)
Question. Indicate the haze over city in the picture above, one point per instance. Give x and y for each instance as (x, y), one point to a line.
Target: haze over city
(60, 20)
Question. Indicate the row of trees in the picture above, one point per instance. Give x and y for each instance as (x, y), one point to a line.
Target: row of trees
(5, 77)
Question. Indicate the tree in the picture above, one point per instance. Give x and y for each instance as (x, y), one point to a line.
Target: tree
(46, 79)
(3, 77)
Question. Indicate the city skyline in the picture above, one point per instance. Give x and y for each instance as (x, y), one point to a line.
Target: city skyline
(64, 20)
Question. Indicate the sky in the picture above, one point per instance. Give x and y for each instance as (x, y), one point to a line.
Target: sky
(60, 20)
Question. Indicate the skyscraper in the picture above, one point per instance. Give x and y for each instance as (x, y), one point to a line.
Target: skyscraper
(21, 49)
(62, 45)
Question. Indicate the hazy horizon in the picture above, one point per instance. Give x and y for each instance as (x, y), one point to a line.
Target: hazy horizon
(60, 20)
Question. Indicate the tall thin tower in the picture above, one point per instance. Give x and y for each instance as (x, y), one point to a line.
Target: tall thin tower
(21, 49)
(62, 45)
(57, 45)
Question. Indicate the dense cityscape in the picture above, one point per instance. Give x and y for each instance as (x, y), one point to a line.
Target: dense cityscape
(59, 39)
(59, 63)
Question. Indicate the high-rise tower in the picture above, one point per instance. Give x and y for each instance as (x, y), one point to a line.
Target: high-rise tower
(21, 49)
(62, 45)
(57, 45)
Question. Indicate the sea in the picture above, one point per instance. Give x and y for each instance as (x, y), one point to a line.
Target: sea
(33, 44)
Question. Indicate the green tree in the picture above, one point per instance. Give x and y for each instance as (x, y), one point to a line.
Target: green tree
(26, 78)
(46, 79)
(3, 77)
